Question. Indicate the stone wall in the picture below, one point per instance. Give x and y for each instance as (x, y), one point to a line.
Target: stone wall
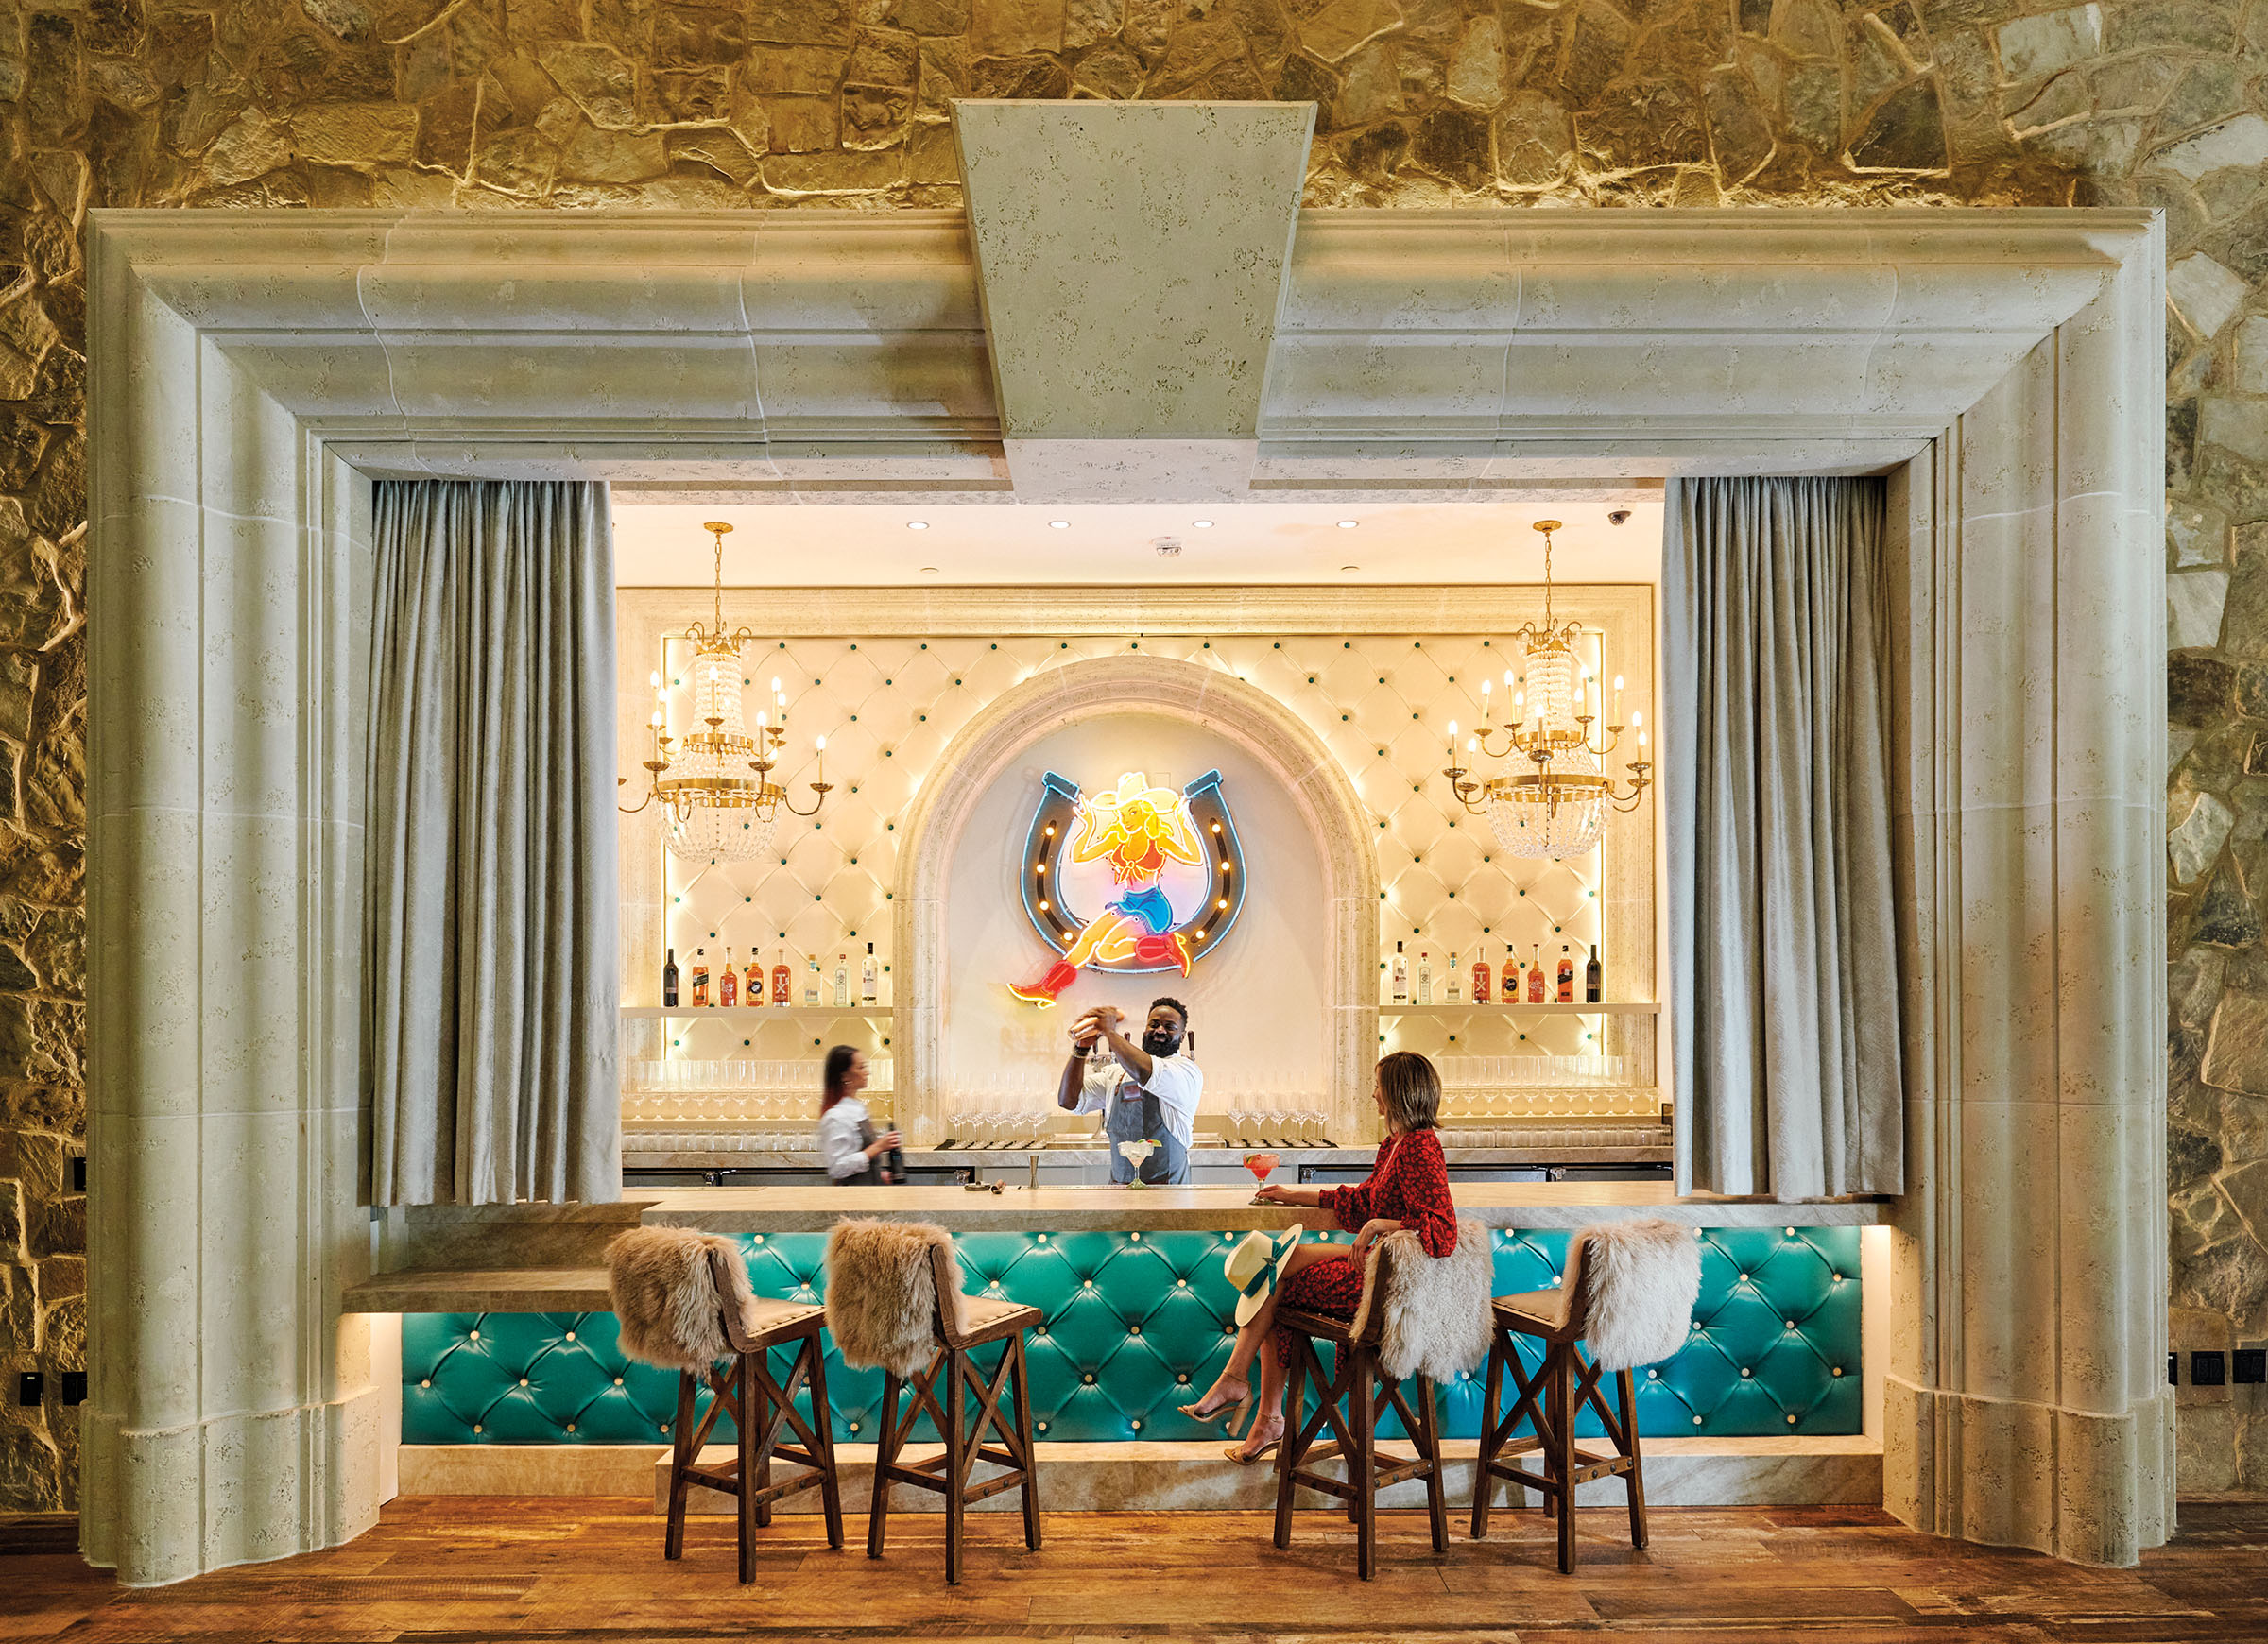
(844, 104)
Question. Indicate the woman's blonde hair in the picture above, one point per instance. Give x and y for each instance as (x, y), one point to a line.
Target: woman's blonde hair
(1412, 1091)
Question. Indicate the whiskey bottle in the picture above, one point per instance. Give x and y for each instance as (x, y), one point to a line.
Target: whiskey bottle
(669, 981)
(782, 979)
(1594, 979)
(1400, 977)
(867, 977)
(811, 983)
(1425, 977)
(842, 982)
(1567, 976)
(728, 985)
(751, 980)
(1456, 983)
(701, 979)
(1536, 976)
(1508, 980)
(1481, 979)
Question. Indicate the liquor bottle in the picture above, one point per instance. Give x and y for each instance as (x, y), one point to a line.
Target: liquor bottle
(842, 982)
(701, 979)
(867, 977)
(728, 985)
(751, 980)
(669, 981)
(1567, 976)
(1536, 976)
(1455, 993)
(1481, 979)
(782, 979)
(1508, 980)
(811, 983)
(1400, 977)
(1594, 979)
(1425, 977)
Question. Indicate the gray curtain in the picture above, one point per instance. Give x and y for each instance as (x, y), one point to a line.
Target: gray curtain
(489, 962)
(1784, 956)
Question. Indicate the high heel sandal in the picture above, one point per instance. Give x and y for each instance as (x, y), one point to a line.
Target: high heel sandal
(1238, 1454)
(1236, 1410)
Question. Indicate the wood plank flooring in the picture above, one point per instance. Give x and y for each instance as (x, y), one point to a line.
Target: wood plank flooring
(441, 1571)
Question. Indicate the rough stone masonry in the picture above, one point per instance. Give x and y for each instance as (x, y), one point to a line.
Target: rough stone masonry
(843, 104)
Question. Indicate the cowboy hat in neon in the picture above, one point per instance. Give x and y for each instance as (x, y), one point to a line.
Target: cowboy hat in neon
(1254, 1266)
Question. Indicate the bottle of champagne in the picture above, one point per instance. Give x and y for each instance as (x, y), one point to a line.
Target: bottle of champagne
(1400, 977)
(1425, 977)
(842, 982)
(782, 979)
(1594, 979)
(1481, 979)
(1567, 975)
(669, 981)
(867, 977)
(811, 983)
(728, 985)
(700, 978)
(1455, 993)
(1536, 976)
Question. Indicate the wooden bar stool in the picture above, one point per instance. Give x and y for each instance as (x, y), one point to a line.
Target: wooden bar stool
(1569, 1380)
(709, 1275)
(1364, 1383)
(894, 1299)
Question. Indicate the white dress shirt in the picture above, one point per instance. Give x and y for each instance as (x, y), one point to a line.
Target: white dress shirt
(1178, 1083)
(839, 1146)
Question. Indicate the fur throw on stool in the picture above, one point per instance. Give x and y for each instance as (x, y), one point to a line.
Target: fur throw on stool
(1643, 1277)
(1432, 1316)
(666, 1295)
(882, 1291)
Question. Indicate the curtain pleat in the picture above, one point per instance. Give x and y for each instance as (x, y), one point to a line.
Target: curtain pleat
(1783, 957)
(490, 964)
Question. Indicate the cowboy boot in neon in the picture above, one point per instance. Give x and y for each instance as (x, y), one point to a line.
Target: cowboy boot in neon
(1042, 992)
(1167, 949)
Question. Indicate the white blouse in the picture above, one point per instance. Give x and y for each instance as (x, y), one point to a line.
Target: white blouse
(839, 1145)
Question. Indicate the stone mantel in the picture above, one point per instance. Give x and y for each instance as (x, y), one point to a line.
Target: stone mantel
(248, 372)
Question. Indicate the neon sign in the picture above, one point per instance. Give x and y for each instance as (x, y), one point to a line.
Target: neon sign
(1136, 878)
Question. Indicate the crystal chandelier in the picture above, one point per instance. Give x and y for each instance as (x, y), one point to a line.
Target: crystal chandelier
(719, 801)
(1557, 807)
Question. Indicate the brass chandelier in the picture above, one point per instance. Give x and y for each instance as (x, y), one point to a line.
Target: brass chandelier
(719, 800)
(1553, 801)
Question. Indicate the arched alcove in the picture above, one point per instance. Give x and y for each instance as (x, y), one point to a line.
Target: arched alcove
(1276, 739)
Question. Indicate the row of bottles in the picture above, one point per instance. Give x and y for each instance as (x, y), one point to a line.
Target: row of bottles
(1513, 985)
(730, 987)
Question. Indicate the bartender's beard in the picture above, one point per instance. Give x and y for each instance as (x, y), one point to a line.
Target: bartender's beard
(1161, 1044)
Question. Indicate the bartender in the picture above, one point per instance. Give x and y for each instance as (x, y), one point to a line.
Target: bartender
(1146, 1092)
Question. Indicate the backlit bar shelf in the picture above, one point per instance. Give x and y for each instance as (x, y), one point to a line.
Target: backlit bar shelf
(1514, 1010)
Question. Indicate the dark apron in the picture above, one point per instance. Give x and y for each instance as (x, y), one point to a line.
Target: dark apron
(1143, 1119)
(871, 1176)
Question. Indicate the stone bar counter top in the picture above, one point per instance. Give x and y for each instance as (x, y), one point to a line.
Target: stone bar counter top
(549, 1258)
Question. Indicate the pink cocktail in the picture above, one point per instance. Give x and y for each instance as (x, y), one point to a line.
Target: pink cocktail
(1261, 1164)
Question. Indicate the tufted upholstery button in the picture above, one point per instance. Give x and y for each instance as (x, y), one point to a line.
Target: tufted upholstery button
(1745, 1373)
(1180, 1284)
(618, 1381)
(1791, 1420)
(524, 1382)
(1089, 1379)
(1040, 1331)
(1086, 1284)
(428, 1381)
(570, 1426)
(476, 1427)
(571, 1335)
(474, 1334)
(1791, 1324)
(1697, 1421)
(1652, 1376)
(1744, 1278)
(854, 1426)
(1136, 1425)
(1042, 1427)
(1133, 1329)
(1134, 1239)
(1183, 1377)
(1838, 1370)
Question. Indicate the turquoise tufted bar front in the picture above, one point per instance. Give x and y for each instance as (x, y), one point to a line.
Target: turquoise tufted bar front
(1135, 1322)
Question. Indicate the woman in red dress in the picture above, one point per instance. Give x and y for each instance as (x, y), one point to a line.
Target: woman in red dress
(1408, 1187)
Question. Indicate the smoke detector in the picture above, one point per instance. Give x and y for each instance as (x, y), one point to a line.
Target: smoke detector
(1168, 547)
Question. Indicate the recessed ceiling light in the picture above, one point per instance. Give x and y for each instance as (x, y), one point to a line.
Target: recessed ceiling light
(1058, 525)
(1202, 524)
(916, 524)
(929, 571)
(1349, 525)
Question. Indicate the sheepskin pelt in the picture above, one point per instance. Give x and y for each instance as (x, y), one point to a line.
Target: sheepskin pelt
(666, 1298)
(1436, 1320)
(1641, 1278)
(882, 1291)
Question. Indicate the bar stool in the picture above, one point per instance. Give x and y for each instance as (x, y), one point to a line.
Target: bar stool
(662, 1276)
(1452, 1291)
(1649, 1280)
(894, 1300)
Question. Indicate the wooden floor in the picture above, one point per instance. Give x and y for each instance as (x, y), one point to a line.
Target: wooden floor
(456, 1568)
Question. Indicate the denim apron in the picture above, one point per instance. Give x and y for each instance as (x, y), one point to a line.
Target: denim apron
(1134, 1115)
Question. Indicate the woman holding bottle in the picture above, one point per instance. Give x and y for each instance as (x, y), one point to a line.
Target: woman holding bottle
(1408, 1187)
(850, 1148)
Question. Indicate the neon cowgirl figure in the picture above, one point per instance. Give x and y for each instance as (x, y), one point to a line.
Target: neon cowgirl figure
(1136, 831)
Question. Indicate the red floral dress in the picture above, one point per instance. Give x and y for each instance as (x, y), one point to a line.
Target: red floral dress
(1409, 1182)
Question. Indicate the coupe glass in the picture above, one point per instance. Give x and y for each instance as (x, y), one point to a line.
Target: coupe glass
(1262, 1165)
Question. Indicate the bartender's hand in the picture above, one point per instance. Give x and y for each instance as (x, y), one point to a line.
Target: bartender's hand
(1088, 1029)
(1369, 1233)
(882, 1143)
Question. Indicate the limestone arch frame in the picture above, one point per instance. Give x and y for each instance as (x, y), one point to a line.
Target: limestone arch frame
(1065, 695)
(249, 371)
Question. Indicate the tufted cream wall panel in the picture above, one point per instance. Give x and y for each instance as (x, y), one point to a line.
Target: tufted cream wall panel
(1376, 678)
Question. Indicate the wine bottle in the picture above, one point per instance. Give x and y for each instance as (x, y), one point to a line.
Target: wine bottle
(1425, 977)
(842, 982)
(1400, 977)
(782, 979)
(669, 981)
(700, 978)
(1567, 976)
(728, 985)
(1482, 992)
(867, 977)
(1594, 979)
